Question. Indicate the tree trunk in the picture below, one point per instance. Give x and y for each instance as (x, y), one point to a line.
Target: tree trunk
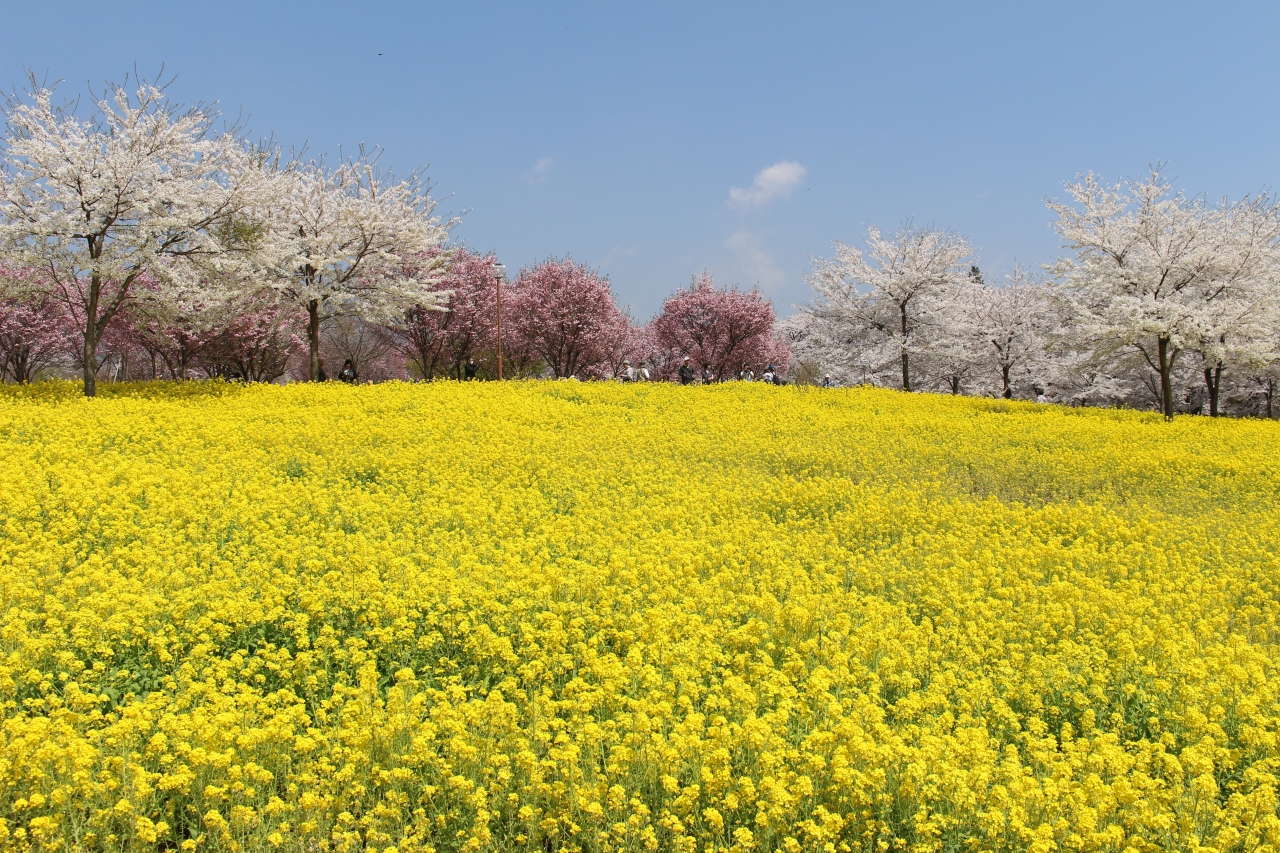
(22, 365)
(1271, 393)
(1008, 391)
(91, 331)
(90, 356)
(955, 386)
(1166, 376)
(1213, 381)
(313, 338)
(906, 368)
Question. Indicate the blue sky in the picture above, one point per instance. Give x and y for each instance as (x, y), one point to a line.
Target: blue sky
(618, 133)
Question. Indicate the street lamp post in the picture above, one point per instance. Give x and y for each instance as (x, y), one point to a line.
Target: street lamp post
(499, 274)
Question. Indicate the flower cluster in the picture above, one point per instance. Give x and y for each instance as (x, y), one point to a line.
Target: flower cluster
(601, 617)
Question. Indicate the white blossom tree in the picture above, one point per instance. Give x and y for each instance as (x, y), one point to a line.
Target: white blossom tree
(349, 241)
(136, 199)
(879, 303)
(1151, 268)
(1264, 379)
(850, 355)
(950, 346)
(1233, 332)
(1004, 328)
(1239, 310)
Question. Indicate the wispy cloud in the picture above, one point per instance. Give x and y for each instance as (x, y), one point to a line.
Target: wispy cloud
(756, 264)
(618, 253)
(771, 182)
(538, 173)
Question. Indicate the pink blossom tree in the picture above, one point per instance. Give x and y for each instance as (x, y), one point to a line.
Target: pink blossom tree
(34, 330)
(630, 342)
(565, 315)
(438, 341)
(34, 333)
(250, 336)
(727, 329)
(255, 345)
(39, 328)
(173, 343)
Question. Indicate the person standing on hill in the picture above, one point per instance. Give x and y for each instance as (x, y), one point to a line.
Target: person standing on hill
(321, 376)
(469, 369)
(628, 372)
(708, 375)
(642, 375)
(348, 373)
(686, 372)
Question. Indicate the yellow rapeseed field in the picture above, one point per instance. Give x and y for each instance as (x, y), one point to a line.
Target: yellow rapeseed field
(594, 617)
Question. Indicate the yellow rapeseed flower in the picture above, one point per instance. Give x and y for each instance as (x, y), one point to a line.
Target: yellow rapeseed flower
(594, 617)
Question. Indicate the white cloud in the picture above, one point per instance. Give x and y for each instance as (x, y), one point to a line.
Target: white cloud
(772, 182)
(538, 173)
(755, 264)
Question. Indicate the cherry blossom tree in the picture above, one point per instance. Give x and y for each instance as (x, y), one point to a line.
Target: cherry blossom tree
(727, 329)
(368, 346)
(847, 353)
(173, 339)
(884, 299)
(809, 352)
(1234, 331)
(341, 242)
(33, 330)
(1263, 382)
(1239, 311)
(628, 342)
(440, 341)
(1000, 329)
(565, 314)
(138, 188)
(1159, 274)
(422, 337)
(32, 336)
(256, 342)
(951, 355)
